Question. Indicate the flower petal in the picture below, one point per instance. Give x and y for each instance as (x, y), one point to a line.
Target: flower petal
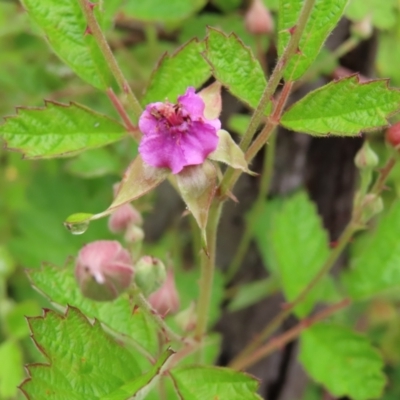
(192, 103)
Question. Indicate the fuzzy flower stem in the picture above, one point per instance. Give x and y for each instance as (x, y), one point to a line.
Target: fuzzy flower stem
(285, 338)
(207, 271)
(95, 30)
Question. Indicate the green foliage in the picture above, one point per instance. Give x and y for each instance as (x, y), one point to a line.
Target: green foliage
(11, 372)
(82, 360)
(324, 16)
(375, 259)
(300, 247)
(161, 11)
(64, 25)
(234, 65)
(60, 286)
(380, 13)
(186, 67)
(343, 361)
(345, 107)
(208, 383)
(59, 130)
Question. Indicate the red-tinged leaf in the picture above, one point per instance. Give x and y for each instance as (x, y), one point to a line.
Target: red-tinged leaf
(58, 130)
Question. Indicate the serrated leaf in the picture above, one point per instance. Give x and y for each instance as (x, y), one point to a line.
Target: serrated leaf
(64, 25)
(344, 107)
(162, 11)
(59, 285)
(300, 247)
(11, 373)
(375, 263)
(141, 386)
(382, 14)
(186, 67)
(234, 65)
(343, 361)
(83, 361)
(324, 17)
(59, 130)
(210, 383)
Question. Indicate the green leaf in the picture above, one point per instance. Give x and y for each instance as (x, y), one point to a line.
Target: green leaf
(83, 361)
(141, 386)
(388, 57)
(186, 67)
(59, 285)
(11, 373)
(382, 14)
(15, 319)
(59, 130)
(239, 123)
(210, 383)
(344, 107)
(162, 11)
(375, 259)
(300, 246)
(343, 361)
(324, 17)
(234, 65)
(64, 26)
(7, 263)
(226, 5)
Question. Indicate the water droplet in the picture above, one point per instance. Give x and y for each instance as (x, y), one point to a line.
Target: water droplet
(77, 228)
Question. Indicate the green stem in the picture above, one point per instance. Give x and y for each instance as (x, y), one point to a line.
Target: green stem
(95, 30)
(277, 321)
(144, 305)
(267, 173)
(207, 271)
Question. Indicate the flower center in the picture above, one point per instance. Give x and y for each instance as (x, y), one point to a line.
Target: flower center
(173, 116)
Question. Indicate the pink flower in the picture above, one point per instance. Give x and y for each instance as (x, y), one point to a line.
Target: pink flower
(166, 300)
(177, 135)
(103, 270)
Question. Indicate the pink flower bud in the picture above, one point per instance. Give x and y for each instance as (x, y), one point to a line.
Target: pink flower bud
(258, 19)
(103, 270)
(393, 135)
(150, 274)
(123, 217)
(165, 300)
(134, 234)
(187, 319)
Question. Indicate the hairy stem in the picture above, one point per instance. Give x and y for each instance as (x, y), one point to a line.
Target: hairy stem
(95, 30)
(207, 271)
(286, 337)
(267, 171)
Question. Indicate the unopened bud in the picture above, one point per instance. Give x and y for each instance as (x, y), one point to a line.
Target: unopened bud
(393, 135)
(187, 319)
(150, 274)
(372, 205)
(366, 157)
(362, 29)
(258, 19)
(134, 234)
(166, 300)
(124, 217)
(103, 270)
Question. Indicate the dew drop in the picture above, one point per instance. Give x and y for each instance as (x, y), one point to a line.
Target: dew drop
(77, 228)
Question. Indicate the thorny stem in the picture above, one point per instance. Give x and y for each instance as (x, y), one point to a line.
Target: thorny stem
(272, 84)
(207, 271)
(286, 337)
(132, 129)
(144, 305)
(95, 30)
(288, 308)
(268, 167)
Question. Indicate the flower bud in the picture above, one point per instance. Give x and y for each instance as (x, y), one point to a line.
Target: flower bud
(258, 19)
(393, 135)
(362, 29)
(134, 234)
(150, 274)
(123, 217)
(187, 319)
(103, 270)
(366, 157)
(165, 300)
